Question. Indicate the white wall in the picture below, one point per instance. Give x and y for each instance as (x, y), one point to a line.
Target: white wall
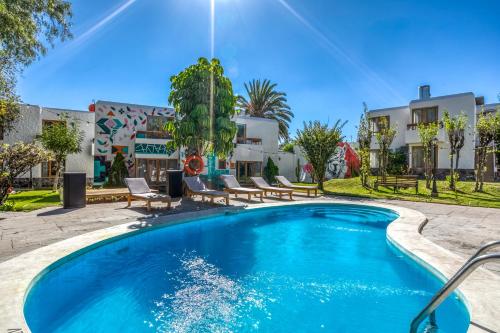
(29, 126)
(454, 104)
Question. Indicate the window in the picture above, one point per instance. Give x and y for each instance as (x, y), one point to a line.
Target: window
(424, 115)
(154, 170)
(49, 169)
(417, 157)
(155, 128)
(222, 165)
(377, 122)
(245, 170)
(242, 133)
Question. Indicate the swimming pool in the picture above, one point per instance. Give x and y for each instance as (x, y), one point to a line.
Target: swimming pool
(303, 268)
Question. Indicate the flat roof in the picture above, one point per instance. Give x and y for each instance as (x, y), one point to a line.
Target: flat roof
(441, 97)
(134, 105)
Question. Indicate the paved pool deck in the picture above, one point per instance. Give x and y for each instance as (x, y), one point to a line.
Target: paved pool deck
(459, 229)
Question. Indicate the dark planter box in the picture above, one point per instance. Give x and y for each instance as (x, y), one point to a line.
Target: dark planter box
(74, 189)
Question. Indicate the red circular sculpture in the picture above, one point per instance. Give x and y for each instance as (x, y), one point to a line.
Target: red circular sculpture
(193, 171)
(92, 107)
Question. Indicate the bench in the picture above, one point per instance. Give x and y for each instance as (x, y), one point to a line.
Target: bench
(397, 182)
(106, 194)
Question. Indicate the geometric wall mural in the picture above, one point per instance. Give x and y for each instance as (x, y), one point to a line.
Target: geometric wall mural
(116, 128)
(149, 148)
(100, 169)
(119, 149)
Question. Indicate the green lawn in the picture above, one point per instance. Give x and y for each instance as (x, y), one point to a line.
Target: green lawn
(31, 200)
(464, 196)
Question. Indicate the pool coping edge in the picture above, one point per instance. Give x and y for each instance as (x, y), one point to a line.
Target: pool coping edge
(480, 292)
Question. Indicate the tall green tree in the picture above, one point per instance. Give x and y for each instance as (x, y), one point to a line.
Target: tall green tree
(364, 141)
(319, 143)
(428, 133)
(455, 129)
(16, 160)
(385, 137)
(190, 95)
(487, 129)
(266, 102)
(61, 139)
(27, 29)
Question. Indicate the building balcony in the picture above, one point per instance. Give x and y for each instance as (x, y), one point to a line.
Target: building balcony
(152, 144)
(248, 152)
(249, 141)
(412, 137)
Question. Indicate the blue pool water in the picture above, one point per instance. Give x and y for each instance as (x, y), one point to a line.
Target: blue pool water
(303, 268)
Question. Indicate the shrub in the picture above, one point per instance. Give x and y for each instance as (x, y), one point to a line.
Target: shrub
(271, 170)
(118, 171)
(397, 162)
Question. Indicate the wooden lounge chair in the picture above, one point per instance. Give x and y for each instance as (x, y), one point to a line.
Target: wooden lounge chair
(194, 186)
(287, 184)
(232, 186)
(139, 189)
(263, 185)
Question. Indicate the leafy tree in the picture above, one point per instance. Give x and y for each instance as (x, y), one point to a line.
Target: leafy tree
(264, 101)
(16, 160)
(428, 133)
(271, 170)
(190, 96)
(298, 168)
(62, 139)
(455, 128)
(118, 171)
(384, 137)
(27, 27)
(364, 142)
(319, 142)
(487, 128)
(288, 147)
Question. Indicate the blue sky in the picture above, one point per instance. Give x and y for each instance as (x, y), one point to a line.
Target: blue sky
(328, 55)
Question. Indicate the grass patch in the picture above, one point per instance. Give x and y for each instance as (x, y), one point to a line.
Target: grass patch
(464, 196)
(31, 200)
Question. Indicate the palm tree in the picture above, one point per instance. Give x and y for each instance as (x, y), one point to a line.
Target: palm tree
(264, 101)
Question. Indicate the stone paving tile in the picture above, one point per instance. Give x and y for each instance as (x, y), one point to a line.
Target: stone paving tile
(459, 229)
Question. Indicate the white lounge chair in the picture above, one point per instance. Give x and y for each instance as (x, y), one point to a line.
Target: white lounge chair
(263, 185)
(232, 186)
(283, 181)
(195, 186)
(139, 189)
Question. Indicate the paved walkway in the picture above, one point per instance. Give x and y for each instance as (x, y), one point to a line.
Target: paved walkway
(457, 228)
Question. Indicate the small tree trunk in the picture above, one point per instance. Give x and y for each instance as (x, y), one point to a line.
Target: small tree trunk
(479, 170)
(4, 192)
(56, 179)
(457, 157)
(483, 163)
(452, 173)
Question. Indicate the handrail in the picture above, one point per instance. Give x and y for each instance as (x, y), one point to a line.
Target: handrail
(470, 265)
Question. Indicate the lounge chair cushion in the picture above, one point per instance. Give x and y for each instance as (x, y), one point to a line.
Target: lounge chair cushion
(285, 182)
(262, 184)
(230, 181)
(195, 185)
(137, 185)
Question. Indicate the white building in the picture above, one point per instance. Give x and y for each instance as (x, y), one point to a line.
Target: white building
(29, 126)
(136, 131)
(427, 109)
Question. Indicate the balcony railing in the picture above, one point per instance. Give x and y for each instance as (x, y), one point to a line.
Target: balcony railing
(153, 135)
(412, 127)
(249, 141)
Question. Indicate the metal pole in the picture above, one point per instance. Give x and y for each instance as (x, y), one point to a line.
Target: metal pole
(450, 286)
